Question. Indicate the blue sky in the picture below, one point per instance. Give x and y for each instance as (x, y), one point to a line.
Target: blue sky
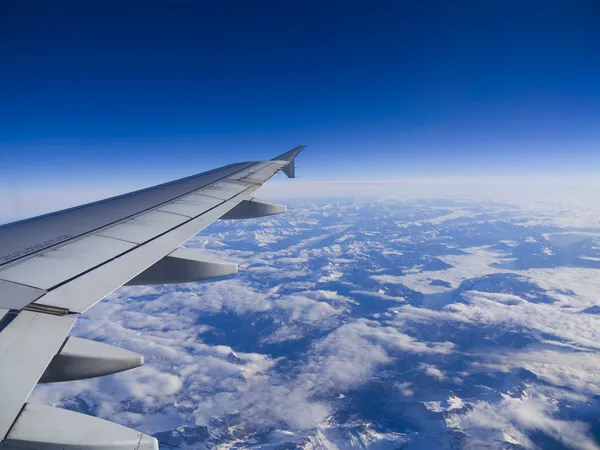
(151, 90)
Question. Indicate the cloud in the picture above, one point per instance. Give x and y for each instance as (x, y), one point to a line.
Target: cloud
(405, 389)
(349, 355)
(513, 420)
(185, 380)
(432, 371)
(304, 310)
(380, 294)
(563, 367)
(330, 349)
(147, 382)
(483, 308)
(474, 263)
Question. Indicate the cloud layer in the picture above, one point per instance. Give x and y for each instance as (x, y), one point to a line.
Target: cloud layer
(363, 323)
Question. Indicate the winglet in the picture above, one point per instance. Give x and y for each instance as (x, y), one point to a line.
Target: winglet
(290, 156)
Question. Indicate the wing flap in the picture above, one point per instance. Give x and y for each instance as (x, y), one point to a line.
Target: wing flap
(17, 296)
(54, 266)
(27, 345)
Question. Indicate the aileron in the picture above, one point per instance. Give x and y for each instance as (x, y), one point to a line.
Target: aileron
(17, 296)
(27, 345)
(56, 265)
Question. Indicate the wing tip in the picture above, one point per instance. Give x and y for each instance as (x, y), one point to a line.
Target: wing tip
(290, 157)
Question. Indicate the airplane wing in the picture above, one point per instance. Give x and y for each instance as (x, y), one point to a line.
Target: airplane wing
(56, 266)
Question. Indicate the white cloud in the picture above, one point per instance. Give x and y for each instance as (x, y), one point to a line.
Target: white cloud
(298, 308)
(379, 294)
(482, 308)
(476, 262)
(432, 371)
(186, 381)
(147, 382)
(351, 353)
(405, 388)
(181, 371)
(562, 367)
(513, 418)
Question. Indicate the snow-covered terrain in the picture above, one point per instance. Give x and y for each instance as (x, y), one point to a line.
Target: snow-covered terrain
(371, 325)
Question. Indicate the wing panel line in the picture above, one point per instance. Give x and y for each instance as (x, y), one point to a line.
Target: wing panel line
(40, 300)
(34, 252)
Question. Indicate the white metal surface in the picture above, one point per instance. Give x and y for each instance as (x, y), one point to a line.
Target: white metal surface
(41, 427)
(191, 205)
(56, 265)
(217, 193)
(144, 227)
(27, 345)
(227, 186)
(85, 291)
(27, 237)
(261, 175)
(200, 197)
(17, 296)
(83, 358)
(230, 183)
(242, 174)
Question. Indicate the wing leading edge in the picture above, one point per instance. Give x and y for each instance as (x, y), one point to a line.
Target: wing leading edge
(56, 266)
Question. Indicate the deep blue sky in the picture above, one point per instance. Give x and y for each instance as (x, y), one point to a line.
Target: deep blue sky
(376, 88)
